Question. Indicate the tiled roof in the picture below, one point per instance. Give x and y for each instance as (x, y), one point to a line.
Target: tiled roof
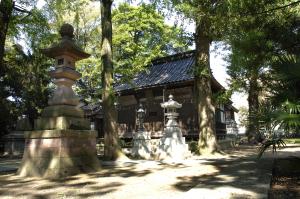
(92, 108)
(167, 70)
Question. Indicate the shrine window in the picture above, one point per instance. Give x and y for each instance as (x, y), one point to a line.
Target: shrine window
(60, 61)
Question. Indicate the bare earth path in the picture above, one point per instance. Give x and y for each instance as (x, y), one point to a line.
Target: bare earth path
(235, 175)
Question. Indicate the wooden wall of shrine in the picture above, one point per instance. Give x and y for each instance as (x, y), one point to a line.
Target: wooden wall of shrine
(154, 118)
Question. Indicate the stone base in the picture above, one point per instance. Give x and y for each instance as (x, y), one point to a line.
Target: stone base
(62, 110)
(14, 143)
(142, 148)
(47, 123)
(142, 135)
(172, 146)
(57, 154)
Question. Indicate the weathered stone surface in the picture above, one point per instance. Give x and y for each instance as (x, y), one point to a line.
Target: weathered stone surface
(172, 146)
(62, 110)
(23, 124)
(61, 123)
(57, 167)
(60, 133)
(67, 152)
(14, 143)
(64, 94)
(142, 147)
(61, 144)
(67, 72)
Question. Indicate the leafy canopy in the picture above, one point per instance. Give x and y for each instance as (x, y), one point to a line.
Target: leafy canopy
(140, 35)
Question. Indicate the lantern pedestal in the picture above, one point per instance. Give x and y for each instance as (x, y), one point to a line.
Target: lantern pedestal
(172, 146)
(55, 154)
(142, 145)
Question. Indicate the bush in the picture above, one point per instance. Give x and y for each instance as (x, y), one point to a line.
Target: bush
(193, 147)
(274, 143)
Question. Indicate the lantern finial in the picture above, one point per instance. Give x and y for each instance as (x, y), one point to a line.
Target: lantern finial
(67, 30)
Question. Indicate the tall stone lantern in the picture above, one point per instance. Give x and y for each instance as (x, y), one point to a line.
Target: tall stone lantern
(61, 143)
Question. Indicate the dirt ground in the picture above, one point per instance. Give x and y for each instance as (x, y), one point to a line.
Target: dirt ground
(238, 174)
(285, 181)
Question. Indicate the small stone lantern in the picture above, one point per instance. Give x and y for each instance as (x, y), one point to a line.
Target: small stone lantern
(142, 139)
(171, 114)
(141, 115)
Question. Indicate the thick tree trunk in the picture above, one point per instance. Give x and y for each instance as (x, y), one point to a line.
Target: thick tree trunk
(206, 111)
(6, 7)
(112, 150)
(253, 124)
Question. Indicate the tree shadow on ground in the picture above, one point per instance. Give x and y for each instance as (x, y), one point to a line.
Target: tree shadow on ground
(286, 178)
(242, 172)
(82, 186)
(238, 171)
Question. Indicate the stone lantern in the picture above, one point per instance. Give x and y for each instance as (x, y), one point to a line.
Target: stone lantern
(64, 102)
(61, 143)
(171, 106)
(142, 139)
(141, 115)
(172, 146)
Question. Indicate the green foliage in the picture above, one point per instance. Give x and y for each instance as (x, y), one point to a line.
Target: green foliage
(283, 100)
(250, 52)
(26, 80)
(23, 88)
(285, 79)
(223, 96)
(289, 116)
(275, 143)
(193, 147)
(286, 117)
(86, 21)
(292, 141)
(140, 35)
(259, 39)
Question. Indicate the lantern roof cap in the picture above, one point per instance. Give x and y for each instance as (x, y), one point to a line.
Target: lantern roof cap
(141, 110)
(66, 45)
(171, 103)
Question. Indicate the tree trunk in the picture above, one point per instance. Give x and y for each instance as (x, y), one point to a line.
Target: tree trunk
(112, 150)
(253, 125)
(6, 7)
(206, 111)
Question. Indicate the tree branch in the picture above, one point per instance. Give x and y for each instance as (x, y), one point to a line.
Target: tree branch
(20, 9)
(274, 9)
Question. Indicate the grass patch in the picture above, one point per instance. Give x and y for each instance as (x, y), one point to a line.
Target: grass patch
(292, 141)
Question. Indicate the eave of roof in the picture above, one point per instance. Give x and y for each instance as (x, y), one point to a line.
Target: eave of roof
(65, 46)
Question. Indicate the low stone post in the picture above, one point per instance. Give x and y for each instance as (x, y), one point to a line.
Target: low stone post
(14, 141)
